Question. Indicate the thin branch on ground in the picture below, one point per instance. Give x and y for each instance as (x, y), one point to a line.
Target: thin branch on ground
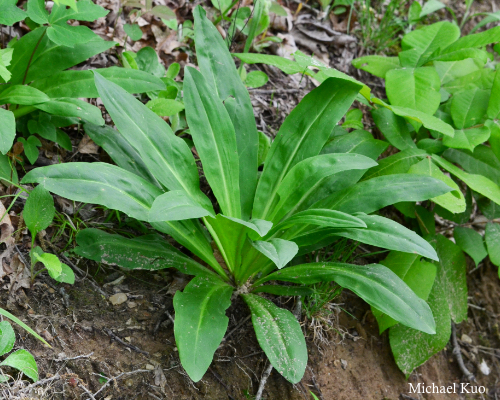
(458, 354)
(87, 391)
(263, 381)
(73, 358)
(119, 340)
(115, 378)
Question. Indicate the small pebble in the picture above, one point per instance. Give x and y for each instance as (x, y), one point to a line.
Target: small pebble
(467, 339)
(483, 367)
(344, 364)
(132, 304)
(150, 367)
(118, 298)
(51, 291)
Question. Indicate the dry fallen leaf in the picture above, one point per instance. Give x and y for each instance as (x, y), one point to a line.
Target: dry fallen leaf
(87, 146)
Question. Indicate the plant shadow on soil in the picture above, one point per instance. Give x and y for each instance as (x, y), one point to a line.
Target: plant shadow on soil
(360, 366)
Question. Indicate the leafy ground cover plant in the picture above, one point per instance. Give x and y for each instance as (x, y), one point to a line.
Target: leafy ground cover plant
(307, 196)
(39, 92)
(454, 79)
(21, 359)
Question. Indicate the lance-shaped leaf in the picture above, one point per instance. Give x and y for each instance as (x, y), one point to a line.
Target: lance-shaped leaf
(39, 210)
(280, 290)
(23, 325)
(80, 83)
(200, 322)
(98, 183)
(279, 251)
(374, 194)
(121, 152)
(428, 121)
(482, 161)
(280, 336)
(7, 130)
(302, 135)
(305, 177)
(320, 217)
(23, 95)
(259, 226)
(214, 137)
(470, 242)
(174, 206)
(398, 163)
(453, 201)
(359, 142)
(381, 232)
(68, 107)
(478, 183)
(217, 66)
(167, 156)
(494, 101)
(150, 252)
(418, 275)
(374, 283)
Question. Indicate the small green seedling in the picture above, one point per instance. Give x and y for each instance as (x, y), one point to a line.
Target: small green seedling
(38, 214)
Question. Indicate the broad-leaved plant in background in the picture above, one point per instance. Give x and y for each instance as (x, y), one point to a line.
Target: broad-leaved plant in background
(456, 79)
(308, 195)
(40, 93)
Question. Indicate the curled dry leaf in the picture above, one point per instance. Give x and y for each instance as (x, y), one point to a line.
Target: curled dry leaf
(87, 146)
(281, 23)
(20, 276)
(6, 236)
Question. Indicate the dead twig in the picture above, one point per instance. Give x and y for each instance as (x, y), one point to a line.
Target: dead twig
(263, 381)
(119, 340)
(138, 371)
(458, 354)
(87, 391)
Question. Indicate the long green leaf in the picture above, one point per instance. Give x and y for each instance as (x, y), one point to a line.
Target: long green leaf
(217, 66)
(150, 252)
(81, 83)
(280, 336)
(374, 283)
(120, 151)
(376, 65)
(398, 163)
(492, 238)
(7, 130)
(305, 177)
(174, 206)
(24, 95)
(475, 40)
(359, 142)
(215, 141)
(98, 183)
(23, 325)
(376, 193)
(200, 322)
(167, 156)
(322, 218)
(302, 135)
(478, 183)
(68, 107)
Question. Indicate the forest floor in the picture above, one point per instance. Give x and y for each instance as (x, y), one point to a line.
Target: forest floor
(127, 350)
